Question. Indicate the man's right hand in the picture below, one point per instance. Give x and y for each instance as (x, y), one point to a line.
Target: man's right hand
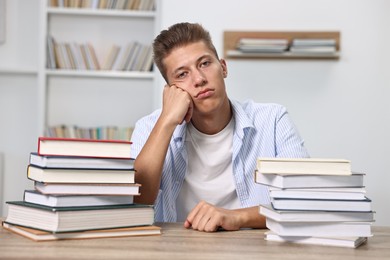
(177, 105)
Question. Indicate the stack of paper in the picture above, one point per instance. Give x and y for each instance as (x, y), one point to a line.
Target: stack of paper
(315, 201)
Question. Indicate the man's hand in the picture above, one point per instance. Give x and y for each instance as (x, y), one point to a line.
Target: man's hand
(177, 105)
(208, 218)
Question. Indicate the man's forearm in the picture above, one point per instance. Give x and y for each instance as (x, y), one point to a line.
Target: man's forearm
(149, 163)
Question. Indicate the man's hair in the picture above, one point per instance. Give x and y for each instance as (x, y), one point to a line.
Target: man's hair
(179, 35)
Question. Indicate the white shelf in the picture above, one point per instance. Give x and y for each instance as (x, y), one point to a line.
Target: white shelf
(19, 71)
(100, 12)
(101, 74)
(70, 96)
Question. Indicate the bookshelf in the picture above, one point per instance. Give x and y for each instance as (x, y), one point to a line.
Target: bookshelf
(94, 97)
(231, 39)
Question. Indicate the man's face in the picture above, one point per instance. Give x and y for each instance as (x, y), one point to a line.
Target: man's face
(195, 69)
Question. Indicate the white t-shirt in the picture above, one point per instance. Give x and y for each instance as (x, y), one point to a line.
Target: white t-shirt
(209, 175)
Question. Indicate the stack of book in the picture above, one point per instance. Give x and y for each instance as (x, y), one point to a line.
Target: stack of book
(315, 201)
(83, 189)
(313, 46)
(255, 45)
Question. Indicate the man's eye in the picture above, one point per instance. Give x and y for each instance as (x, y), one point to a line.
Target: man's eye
(205, 63)
(181, 75)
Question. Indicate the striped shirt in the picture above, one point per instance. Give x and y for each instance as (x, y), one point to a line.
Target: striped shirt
(261, 130)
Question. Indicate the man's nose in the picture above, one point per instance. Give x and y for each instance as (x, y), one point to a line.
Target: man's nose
(199, 79)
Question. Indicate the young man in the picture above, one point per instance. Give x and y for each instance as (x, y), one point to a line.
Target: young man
(196, 157)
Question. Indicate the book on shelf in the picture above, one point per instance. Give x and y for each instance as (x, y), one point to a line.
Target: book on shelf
(315, 204)
(51, 200)
(256, 45)
(111, 57)
(51, 60)
(296, 215)
(84, 147)
(66, 175)
(315, 50)
(350, 242)
(87, 188)
(123, 56)
(98, 133)
(311, 166)
(313, 42)
(39, 235)
(313, 46)
(319, 229)
(58, 161)
(310, 181)
(67, 219)
(341, 193)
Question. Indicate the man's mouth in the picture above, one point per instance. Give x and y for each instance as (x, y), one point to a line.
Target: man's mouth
(204, 93)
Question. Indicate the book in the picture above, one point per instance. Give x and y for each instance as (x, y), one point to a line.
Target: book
(314, 215)
(314, 50)
(87, 188)
(351, 242)
(310, 181)
(51, 200)
(67, 219)
(39, 235)
(358, 193)
(313, 42)
(56, 161)
(253, 45)
(65, 175)
(314, 204)
(84, 147)
(302, 166)
(318, 229)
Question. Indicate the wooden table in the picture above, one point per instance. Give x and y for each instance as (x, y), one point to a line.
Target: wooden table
(177, 242)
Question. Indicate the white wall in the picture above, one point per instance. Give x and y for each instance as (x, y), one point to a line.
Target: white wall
(18, 97)
(340, 107)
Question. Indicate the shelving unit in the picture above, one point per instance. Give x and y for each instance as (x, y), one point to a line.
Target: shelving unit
(94, 98)
(231, 39)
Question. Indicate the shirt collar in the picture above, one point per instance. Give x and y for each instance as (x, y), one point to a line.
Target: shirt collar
(243, 123)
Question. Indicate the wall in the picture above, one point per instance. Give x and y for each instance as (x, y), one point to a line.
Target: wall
(18, 96)
(340, 107)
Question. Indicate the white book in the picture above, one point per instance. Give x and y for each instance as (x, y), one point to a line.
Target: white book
(343, 229)
(313, 42)
(351, 242)
(87, 188)
(347, 193)
(314, 204)
(319, 166)
(310, 181)
(33, 196)
(56, 161)
(262, 41)
(314, 215)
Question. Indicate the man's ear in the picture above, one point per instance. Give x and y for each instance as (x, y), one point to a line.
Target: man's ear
(224, 67)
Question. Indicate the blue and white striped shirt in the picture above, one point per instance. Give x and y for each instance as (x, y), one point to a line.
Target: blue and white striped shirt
(261, 130)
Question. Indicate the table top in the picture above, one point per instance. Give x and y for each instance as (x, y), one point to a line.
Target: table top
(176, 242)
